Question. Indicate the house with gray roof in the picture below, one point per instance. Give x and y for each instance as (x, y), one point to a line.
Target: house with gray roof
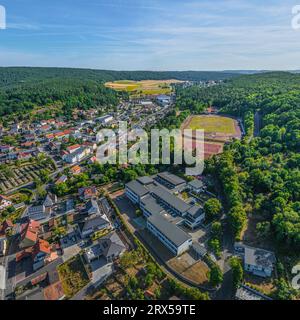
(92, 207)
(39, 212)
(110, 247)
(257, 261)
(93, 224)
(50, 200)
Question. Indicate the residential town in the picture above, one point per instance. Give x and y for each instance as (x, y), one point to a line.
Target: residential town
(68, 224)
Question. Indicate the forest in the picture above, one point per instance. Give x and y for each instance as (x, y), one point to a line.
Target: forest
(11, 76)
(22, 89)
(260, 175)
(64, 93)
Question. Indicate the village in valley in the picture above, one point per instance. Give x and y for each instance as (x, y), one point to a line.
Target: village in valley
(71, 228)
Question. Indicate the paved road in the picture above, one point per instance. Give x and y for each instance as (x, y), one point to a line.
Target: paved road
(49, 267)
(257, 124)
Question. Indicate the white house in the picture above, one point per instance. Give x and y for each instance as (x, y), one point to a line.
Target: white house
(77, 156)
(257, 261)
(105, 119)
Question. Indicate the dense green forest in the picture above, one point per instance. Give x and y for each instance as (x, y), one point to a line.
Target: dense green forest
(65, 93)
(17, 75)
(260, 175)
(22, 89)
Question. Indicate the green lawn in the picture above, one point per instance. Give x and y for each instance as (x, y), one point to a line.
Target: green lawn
(212, 124)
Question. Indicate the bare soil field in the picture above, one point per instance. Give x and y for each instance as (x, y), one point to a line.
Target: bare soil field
(195, 271)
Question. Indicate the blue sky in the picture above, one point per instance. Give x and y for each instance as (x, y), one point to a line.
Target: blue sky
(150, 34)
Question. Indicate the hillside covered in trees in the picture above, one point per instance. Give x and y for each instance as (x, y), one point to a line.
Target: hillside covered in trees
(22, 89)
(64, 93)
(260, 175)
(11, 76)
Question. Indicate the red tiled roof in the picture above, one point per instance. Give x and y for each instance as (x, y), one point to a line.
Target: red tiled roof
(73, 147)
(75, 169)
(3, 197)
(39, 278)
(42, 246)
(30, 230)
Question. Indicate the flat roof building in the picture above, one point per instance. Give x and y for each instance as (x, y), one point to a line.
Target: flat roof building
(169, 200)
(170, 180)
(169, 234)
(135, 191)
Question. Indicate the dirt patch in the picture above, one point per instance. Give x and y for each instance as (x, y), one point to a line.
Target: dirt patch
(188, 267)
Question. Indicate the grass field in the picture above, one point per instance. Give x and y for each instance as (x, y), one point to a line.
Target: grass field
(217, 131)
(212, 124)
(145, 87)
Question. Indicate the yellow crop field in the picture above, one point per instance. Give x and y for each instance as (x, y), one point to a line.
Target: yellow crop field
(145, 87)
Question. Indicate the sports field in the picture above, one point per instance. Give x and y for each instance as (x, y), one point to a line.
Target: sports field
(217, 131)
(145, 87)
(212, 124)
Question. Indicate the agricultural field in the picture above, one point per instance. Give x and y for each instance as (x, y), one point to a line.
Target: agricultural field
(15, 176)
(145, 87)
(217, 131)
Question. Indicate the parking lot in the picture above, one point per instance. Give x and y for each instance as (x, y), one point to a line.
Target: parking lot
(128, 211)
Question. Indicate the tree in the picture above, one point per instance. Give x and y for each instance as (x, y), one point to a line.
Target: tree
(237, 271)
(212, 209)
(284, 290)
(263, 229)
(215, 276)
(61, 189)
(237, 219)
(149, 280)
(215, 246)
(216, 230)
